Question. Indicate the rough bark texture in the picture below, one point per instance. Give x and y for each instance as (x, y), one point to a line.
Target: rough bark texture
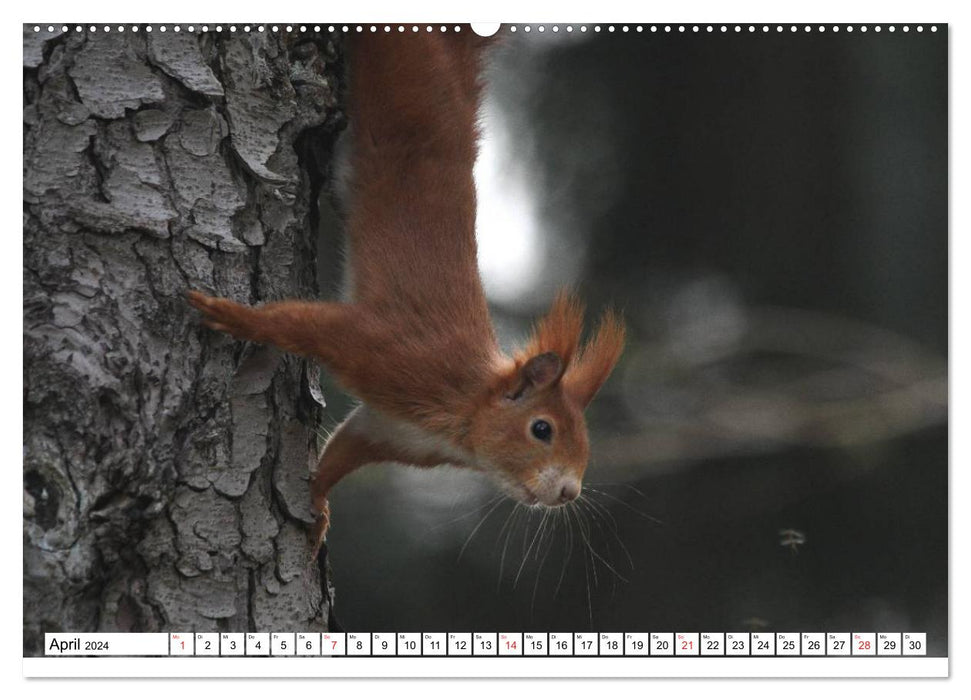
(166, 466)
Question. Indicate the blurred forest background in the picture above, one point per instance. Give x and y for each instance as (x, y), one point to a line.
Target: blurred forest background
(770, 212)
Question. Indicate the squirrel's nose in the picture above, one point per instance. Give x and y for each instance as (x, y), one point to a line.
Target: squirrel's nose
(570, 490)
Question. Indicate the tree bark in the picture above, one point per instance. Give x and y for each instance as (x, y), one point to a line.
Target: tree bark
(166, 466)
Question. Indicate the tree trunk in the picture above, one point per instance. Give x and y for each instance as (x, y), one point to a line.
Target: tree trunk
(166, 466)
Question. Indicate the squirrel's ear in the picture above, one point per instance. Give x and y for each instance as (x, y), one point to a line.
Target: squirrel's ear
(597, 360)
(537, 373)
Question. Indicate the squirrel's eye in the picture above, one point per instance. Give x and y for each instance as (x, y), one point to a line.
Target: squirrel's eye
(542, 430)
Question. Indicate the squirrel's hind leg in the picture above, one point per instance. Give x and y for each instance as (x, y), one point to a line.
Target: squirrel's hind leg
(305, 328)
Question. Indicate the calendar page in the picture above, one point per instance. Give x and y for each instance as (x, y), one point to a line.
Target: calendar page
(526, 349)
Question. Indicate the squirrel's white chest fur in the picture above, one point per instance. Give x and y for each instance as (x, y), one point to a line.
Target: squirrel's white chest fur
(407, 438)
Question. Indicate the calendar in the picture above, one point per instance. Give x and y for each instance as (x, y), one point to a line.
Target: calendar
(540, 349)
(489, 644)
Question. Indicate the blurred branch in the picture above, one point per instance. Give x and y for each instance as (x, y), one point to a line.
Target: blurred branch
(790, 378)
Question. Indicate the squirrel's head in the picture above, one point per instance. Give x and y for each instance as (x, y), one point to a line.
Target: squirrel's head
(531, 434)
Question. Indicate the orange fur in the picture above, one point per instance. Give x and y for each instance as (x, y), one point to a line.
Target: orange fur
(415, 341)
(584, 369)
(597, 359)
(559, 331)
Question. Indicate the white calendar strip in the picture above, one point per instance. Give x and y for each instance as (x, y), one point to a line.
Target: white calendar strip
(534, 644)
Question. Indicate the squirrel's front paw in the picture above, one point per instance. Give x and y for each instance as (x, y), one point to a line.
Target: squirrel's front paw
(221, 314)
(319, 532)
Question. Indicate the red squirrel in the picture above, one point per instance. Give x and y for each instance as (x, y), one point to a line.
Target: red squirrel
(413, 339)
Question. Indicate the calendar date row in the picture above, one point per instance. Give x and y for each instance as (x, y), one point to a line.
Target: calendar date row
(405, 644)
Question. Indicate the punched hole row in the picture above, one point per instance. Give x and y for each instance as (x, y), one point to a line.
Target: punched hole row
(541, 28)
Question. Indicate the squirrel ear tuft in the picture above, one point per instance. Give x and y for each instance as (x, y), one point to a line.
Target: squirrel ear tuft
(537, 373)
(597, 359)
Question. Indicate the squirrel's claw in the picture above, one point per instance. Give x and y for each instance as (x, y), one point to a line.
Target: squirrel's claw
(201, 301)
(219, 314)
